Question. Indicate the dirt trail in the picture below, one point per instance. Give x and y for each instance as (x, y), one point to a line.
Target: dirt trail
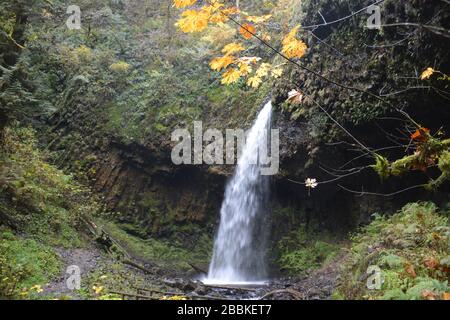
(87, 259)
(321, 283)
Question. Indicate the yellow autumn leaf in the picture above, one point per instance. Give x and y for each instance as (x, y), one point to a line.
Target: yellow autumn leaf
(254, 81)
(37, 288)
(97, 289)
(220, 63)
(232, 48)
(193, 21)
(292, 47)
(218, 18)
(218, 15)
(266, 37)
(215, 12)
(259, 19)
(263, 70)
(230, 11)
(213, 6)
(427, 73)
(174, 298)
(276, 72)
(183, 3)
(244, 68)
(219, 35)
(230, 76)
(291, 35)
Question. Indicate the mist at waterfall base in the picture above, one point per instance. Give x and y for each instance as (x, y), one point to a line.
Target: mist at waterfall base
(240, 244)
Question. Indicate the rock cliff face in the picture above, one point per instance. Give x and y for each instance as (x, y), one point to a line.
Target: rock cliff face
(154, 193)
(139, 180)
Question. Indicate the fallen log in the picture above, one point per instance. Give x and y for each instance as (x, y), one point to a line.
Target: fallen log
(295, 294)
(137, 266)
(228, 287)
(191, 296)
(197, 268)
(139, 290)
(132, 295)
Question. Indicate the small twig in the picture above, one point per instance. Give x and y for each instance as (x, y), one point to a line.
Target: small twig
(8, 36)
(331, 180)
(364, 193)
(434, 29)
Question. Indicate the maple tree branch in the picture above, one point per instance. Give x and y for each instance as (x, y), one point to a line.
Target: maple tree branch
(306, 68)
(325, 78)
(376, 150)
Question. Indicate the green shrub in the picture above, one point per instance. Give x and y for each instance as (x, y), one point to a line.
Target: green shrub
(410, 247)
(24, 264)
(301, 251)
(164, 253)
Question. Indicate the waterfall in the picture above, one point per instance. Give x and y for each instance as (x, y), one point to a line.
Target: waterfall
(239, 247)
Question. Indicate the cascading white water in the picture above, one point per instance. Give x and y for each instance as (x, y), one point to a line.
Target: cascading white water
(239, 247)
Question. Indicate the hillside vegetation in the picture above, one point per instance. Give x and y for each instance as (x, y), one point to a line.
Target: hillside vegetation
(86, 117)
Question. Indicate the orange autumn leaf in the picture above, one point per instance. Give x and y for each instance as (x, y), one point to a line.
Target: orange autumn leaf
(429, 295)
(183, 3)
(410, 270)
(446, 296)
(247, 31)
(431, 263)
(220, 63)
(446, 269)
(420, 134)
